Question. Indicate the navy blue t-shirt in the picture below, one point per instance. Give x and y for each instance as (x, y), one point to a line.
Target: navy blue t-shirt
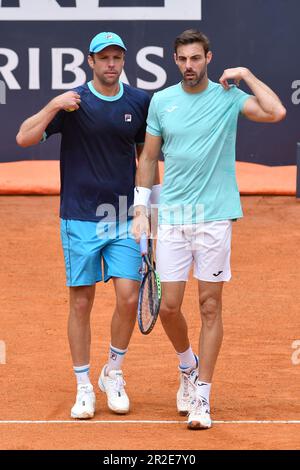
(97, 157)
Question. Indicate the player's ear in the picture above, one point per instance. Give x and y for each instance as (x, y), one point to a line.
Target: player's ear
(175, 58)
(91, 61)
(209, 57)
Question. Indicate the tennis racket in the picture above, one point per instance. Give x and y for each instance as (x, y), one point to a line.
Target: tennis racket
(150, 289)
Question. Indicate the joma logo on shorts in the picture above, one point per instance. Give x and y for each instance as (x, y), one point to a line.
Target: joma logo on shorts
(95, 10)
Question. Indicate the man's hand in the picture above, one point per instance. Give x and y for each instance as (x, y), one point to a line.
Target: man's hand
(237, 74)
(68, 101)
(140, 223)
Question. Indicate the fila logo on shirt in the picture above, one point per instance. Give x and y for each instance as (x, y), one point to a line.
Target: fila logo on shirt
(128, 117)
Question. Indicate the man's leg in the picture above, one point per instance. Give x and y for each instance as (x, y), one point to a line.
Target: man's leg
(79, 333)
(82, 253)
(124, 316)
(211, 335)
(171, 316)
(176, 329)
(111, 379)
(212, 249)
(174, 259)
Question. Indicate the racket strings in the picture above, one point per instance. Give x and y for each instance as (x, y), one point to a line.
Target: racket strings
(149, 301)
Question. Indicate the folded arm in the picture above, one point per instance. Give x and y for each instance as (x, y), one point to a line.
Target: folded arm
(32, 130)
(265, 105)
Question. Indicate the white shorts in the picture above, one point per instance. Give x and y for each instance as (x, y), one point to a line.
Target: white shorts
(206, 245)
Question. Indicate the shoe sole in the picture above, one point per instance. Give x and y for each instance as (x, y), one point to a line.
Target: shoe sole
(115, 410)
(82, 416)
(195, 425)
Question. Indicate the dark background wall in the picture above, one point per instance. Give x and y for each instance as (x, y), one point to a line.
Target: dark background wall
(260, 34)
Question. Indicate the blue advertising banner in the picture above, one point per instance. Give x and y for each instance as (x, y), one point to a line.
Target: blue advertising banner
(44, 45)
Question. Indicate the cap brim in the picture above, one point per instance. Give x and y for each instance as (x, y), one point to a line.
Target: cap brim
(104, 46)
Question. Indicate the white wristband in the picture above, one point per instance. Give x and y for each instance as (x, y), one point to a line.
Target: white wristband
(155, 194)
(141, 196)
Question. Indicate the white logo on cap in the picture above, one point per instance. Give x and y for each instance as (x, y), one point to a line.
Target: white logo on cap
(109, 36)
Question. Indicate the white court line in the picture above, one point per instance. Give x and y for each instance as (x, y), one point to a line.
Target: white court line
(132, 421)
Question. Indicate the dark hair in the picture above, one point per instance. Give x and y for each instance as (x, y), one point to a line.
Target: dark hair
(189, 37)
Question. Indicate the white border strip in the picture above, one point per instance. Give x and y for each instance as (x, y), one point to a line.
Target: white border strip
(88, 10)
(133, 421)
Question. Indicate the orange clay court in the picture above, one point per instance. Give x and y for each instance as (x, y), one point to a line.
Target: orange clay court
(255, 379)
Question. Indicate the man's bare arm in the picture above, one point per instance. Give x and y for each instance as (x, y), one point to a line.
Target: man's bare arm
(145, 179)
(139, 151)
(32, 130)
(147, 173)
(265, 105)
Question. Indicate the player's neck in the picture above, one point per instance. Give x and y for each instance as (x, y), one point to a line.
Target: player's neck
(202, 86)
(106, 90)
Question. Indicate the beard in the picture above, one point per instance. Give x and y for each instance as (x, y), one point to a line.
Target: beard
(193, 82)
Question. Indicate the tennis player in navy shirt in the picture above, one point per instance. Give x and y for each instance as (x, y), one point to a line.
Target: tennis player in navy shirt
(102, 124)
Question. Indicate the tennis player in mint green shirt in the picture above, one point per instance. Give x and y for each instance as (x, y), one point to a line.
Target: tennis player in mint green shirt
(199, 150)
(195, 124)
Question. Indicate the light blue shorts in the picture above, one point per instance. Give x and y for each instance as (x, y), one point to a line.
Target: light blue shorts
(98, 251)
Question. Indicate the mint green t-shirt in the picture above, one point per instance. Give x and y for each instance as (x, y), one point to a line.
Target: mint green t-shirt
(199, 138)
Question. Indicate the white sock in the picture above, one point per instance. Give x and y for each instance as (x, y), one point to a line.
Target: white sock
(82, 374)
(115, 358)
(187, 360)
(203, 389)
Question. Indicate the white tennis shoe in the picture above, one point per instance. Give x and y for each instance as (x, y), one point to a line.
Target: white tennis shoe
(113, 385)
(199, 415)
(186, 390)
(85, 404)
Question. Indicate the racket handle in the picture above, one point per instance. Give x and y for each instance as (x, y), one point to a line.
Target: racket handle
(144, 244)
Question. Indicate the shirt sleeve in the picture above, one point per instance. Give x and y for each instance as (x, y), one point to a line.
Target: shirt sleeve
(239, 97)
(153, 124)
(55, 126)
(140, 136)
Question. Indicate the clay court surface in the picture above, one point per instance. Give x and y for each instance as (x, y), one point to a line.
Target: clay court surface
(255, 378)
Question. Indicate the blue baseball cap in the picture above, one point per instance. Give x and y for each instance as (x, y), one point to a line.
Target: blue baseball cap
(103, 40)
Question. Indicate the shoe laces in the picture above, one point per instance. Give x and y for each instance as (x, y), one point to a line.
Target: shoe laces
(188, 380)
(118, 384)
(200, 405)
(82, 391)
(185, 386)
